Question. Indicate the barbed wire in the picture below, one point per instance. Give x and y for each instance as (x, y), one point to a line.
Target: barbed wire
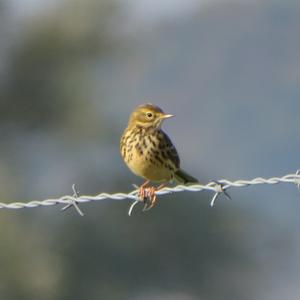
(217, 186)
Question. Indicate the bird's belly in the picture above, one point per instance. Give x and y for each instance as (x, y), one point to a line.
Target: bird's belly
(149, 169)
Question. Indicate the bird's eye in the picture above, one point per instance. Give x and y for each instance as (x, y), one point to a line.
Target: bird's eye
(149, 115)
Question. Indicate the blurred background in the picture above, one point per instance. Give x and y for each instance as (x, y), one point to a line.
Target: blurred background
(71, 71)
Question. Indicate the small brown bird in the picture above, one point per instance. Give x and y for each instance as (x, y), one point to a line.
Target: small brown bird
(149, 152)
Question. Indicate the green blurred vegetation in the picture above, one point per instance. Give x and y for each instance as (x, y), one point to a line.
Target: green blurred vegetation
(47, 75)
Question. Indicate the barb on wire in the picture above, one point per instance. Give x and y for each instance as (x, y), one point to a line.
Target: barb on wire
(74, 202)
(219, 190)
(218, 187)
(298, 173)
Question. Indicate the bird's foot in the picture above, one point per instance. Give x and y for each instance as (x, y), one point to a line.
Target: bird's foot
(148, 195)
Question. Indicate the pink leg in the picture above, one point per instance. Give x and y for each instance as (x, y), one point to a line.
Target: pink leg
(151, 196)
(143, 190)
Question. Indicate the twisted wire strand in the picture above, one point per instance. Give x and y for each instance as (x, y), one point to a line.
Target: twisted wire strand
(218, 187)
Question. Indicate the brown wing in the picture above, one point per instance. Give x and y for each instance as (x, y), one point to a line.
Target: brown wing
(168, 151)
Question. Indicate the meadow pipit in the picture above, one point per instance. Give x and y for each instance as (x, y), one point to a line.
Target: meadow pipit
(149, 152)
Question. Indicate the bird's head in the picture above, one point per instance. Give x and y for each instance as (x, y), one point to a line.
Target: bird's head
(147, 115)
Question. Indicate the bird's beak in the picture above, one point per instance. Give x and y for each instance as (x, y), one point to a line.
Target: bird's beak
(167, 116)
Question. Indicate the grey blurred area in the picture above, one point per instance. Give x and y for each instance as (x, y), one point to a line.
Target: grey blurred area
(71, 72)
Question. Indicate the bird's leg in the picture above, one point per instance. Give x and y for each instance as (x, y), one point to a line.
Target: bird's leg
(151, 196)
(142, 191)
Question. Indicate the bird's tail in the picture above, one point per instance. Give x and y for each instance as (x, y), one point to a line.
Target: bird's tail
(183, 177)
